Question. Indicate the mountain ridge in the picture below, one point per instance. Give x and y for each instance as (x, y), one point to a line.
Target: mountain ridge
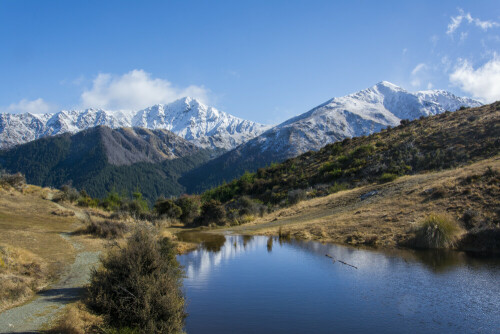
(101, 159)
(205, 126)
(358, 114)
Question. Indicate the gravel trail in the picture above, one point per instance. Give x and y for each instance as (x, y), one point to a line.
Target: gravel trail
(30, 317)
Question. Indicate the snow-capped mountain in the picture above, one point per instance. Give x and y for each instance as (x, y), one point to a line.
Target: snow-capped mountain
(361, 113)
(205, 126)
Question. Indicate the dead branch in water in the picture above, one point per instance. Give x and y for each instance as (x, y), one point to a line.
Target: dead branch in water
(347, 264)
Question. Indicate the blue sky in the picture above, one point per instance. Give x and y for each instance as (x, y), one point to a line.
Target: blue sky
(261, 60)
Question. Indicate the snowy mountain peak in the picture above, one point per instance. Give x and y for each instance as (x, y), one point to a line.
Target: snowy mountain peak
(360, 113)
(387, 85)
(187, 117)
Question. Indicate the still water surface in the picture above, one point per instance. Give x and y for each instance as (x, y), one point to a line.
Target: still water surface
(239, 284)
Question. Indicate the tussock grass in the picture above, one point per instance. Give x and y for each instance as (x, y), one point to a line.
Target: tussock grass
(436, 231)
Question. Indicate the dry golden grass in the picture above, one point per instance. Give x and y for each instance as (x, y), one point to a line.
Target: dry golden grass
(27, 222)
(76, 319)
(28, 227)
(389, 217)
(21, 274)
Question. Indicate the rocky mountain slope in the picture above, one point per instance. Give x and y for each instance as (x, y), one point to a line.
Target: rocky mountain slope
(101, 159)
(204, 126)
(358, 114)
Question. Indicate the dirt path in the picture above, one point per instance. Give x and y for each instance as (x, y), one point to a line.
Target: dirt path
(30, 317)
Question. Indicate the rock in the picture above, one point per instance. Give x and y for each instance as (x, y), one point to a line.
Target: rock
(368, 194)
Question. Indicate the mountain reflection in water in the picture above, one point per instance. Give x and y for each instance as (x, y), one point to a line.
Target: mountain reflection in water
(262, 284)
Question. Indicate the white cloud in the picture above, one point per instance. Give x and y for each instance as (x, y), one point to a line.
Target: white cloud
(430, 85)
(483, 83)
(418, 75)
(38, 106)
(135, 90)
(418, 68)
(456, 21)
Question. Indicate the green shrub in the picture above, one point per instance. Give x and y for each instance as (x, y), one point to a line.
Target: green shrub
(69, 194)
(212, 212)
(388, 177)
(336, 188)
(436, 231)
(362, 151)
(112, 202)
(86, 201)
(167, 207)
(296, 195)
(136, 207)
(327, 166)
(246, 206)
(139, 285)
(335, 174)
(190, 206)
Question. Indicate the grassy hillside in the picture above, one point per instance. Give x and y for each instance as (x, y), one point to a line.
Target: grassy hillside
(429, 144)
(89, 160)
(389, 214)
(380, 188)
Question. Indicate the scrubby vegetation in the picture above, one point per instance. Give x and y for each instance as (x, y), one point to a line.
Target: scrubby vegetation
(106, 229)
(139, 286)
(16, 181)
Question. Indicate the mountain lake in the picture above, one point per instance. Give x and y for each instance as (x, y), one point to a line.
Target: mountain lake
(258, 284)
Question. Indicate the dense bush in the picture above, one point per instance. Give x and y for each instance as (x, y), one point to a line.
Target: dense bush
(139, 286)
(297, 195)
(212, 212)
(86, 201)
(112, 202)
(167, 207)
(137, 206)
(190, 206)
(247, 206)
(69, 193)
